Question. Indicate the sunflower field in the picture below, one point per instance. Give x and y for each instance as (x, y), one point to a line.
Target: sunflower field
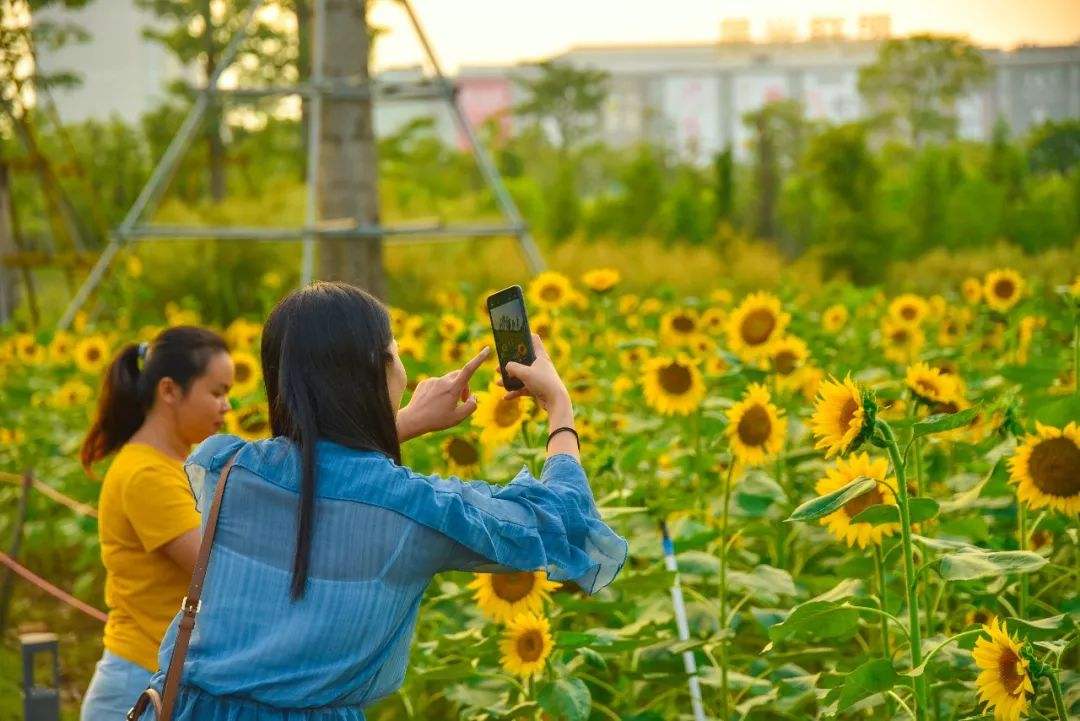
(839, 503)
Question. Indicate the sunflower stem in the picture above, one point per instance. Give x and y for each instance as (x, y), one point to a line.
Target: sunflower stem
(880, 565)
(724, 700)
(1021, 532)
(1055, 689)
(910, 582)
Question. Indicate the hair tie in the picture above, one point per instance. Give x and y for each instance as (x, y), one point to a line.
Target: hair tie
(144, 350)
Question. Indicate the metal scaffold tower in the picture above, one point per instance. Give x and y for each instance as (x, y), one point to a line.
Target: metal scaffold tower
(437, 88)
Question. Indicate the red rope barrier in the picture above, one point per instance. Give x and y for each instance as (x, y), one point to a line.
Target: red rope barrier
(52, 590)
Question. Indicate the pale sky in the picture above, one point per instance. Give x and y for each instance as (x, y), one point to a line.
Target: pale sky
(480, 32)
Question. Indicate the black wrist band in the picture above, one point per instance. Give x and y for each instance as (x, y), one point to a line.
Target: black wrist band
(564, 428)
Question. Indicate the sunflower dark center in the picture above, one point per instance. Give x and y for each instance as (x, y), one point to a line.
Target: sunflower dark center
(683, 324)
(1009, 671)
(755, 426)
(785, 362)
(944, 407)
(512, 586)
(899, 336)
(551, 293)
(507, 412)
(859, 504)
(908, 312)
(847, 414)
(758, 325)
(1054, 466)
(1004, 288)
(530, 645)
(675, 379)
(462, 452)
(92, 354)
(242, 372)
(927, 386)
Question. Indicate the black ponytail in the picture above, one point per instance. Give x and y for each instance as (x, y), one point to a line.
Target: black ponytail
(127, 393)
(325, 351)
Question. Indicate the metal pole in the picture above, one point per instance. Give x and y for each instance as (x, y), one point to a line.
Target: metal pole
(689, 662)
(483, 161)
(307, 261)
(151, 192)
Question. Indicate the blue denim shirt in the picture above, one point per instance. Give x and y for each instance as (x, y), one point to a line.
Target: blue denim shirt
(381, 533)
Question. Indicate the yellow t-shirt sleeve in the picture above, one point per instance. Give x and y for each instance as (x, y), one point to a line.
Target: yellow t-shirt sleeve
(160, 506)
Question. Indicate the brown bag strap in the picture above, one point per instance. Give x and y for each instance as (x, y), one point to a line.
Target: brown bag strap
(191, 603)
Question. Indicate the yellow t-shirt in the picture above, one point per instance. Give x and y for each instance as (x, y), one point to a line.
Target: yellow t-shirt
(146, 501)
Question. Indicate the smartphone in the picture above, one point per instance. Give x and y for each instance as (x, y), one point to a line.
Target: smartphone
(510, 325)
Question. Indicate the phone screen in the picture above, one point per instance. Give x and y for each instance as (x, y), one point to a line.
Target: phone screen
(511, 332)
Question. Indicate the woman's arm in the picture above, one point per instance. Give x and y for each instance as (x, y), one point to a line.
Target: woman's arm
(184, 549)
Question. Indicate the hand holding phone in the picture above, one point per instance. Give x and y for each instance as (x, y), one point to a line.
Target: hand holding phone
(510, 326)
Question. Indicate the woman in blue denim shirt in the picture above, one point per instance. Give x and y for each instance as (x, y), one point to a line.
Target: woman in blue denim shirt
(325, 542)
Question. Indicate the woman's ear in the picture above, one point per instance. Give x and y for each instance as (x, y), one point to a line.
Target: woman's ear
(169, 391)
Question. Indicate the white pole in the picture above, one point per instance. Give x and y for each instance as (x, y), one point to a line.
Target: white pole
(689, 663)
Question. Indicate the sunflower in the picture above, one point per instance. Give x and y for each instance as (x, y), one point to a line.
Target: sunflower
(72, 394)
(1046, 468)
(452, 352)
(673, 386)
(755, 427)
(462, 454)
(61, 347)
(972, 290)
(930, 385)
(134, 266)
(246, 373)
(11, 437)
(716, 365)
(450, 326)
(908, 309)
(756, 323)
(526, 644)
(544, 326)
(787, 355)
(901, 342)
(503, 596)
(843, 417)
(601, 280)
(633, 357)
(808, 381)
(679, 326)
(621, 385)
(1002, 289)
(242, 334)
(27, 350)
(834, 318)
(702, 345)
(953, 326)
(978, 617)
(721, 296)
(1004, 681)
(839, 521)
(498, 418)
(92, 354)
(651, 306)
(713, 320)
(411, 346)
(175, 315)
(250, 422)
(550, 290)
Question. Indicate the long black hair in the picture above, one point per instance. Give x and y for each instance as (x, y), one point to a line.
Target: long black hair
(127, 393)
(325, 349)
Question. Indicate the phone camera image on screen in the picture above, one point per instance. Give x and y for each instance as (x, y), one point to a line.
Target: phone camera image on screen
(511, 333)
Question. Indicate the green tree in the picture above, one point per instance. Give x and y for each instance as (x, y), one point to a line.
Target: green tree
(779, 130)
(197, 32)
(1055, 146)
(842, 169)
(724, 186)
(567, 96)
(915, 82)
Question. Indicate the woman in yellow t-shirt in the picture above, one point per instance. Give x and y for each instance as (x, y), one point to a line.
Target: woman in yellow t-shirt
(157, 400)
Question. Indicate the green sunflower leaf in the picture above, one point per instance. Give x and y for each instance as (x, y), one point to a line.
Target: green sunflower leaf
(921, 509)
(968, 565)
(875, 676)
(566, 698)
(824, 505)
(942, 422)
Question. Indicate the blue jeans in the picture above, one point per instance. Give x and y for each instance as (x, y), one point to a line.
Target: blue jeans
(114, 688)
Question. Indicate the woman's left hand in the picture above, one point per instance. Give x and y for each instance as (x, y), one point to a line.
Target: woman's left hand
(440, 403)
